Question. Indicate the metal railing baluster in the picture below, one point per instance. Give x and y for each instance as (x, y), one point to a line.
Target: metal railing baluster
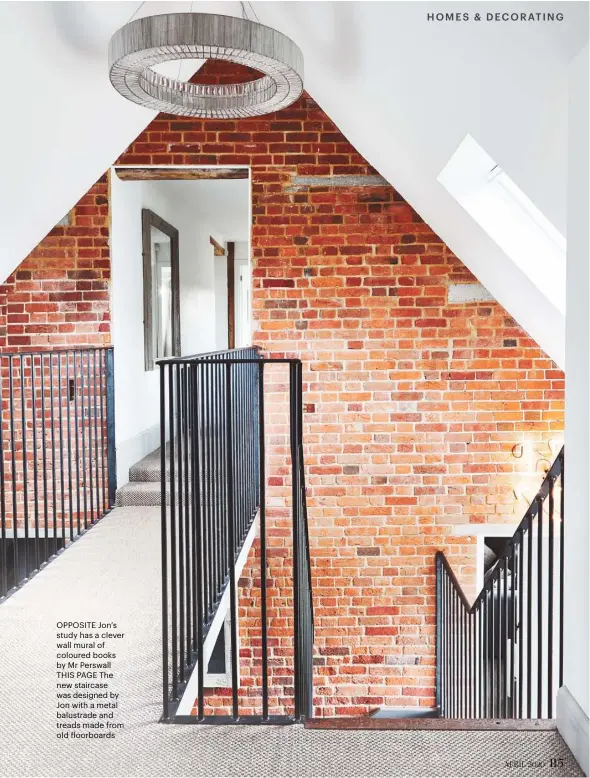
(262, 504)
(539, 608)
(62, 487)
(178, 454)
(37, 451)
(551, 571)
(83, 440)
(512, 617)
(187, 512)
(520, 592)
(25, 465)
(494, 658)
(88, 424)
(110, 423)
(231, 545)
(220, 411)
(198, 525)
(14, 472)
(35, 462)
(69, 447)
(77, 443)
(206, 492)
(102, 376)
(530, 617)
(99, 507)
(164, 549)
(505, 639)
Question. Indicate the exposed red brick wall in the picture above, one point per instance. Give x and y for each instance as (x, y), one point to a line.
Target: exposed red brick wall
(57, 298)
(413, 405)
(59, 294)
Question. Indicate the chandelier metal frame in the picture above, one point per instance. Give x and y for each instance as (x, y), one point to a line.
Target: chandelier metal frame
(139, 45)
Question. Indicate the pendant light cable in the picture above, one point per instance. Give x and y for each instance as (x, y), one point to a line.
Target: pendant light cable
(253, 11)
(137, 10)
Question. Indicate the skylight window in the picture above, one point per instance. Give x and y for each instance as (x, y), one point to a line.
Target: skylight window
(509, 217)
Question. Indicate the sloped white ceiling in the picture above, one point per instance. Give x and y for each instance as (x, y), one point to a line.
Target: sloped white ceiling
(403, 89)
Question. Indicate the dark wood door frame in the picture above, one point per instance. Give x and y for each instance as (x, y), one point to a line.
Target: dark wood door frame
(231, 317)
(150, 219)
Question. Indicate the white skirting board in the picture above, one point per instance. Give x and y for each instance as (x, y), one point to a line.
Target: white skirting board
(572, 724)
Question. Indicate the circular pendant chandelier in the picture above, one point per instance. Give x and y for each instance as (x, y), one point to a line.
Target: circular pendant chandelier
(145, 42)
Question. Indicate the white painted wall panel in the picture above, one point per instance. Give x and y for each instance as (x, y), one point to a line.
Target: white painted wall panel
(574, 705)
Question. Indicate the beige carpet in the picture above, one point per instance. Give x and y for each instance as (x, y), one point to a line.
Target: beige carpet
(112, 574)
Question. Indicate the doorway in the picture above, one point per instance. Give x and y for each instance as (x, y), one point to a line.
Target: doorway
(170, 284)
(238, 295)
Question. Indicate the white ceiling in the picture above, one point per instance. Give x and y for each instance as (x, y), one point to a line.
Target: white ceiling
(403, 89)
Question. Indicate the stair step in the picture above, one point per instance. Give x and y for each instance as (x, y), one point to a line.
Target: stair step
(143, 494)
(143, 489)
(366, 722)
(149, 468)
(406, 712)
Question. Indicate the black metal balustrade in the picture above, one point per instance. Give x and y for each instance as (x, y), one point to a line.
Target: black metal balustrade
(502, 657)
(213, 436)
(302, 588)
(57, 454)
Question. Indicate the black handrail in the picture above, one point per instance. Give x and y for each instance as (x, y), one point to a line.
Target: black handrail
(222, 354)
(502, 656)
(213, 436)
(57, 454)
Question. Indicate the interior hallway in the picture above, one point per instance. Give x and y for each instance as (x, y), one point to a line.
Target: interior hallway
(113, 574)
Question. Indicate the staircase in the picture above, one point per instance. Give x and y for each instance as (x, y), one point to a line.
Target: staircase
(144, 488)
(502, 656)
(212, 409)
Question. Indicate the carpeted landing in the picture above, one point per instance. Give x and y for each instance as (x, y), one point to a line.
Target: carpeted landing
(112, 575)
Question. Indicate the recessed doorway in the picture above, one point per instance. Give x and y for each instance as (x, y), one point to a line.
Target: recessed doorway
(180, 259)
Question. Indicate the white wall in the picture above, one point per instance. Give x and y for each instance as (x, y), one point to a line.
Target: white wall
(221, 333)
(243, 294)
(242, 311)
(198, 209)
(136, 391)
(573, 704)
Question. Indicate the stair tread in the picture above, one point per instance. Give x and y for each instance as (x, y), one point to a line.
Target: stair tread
(149, 468)
(144, 486)
(142, 493)
(366, 722)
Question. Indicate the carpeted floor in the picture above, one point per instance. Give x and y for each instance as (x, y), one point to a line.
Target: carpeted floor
(112, 574)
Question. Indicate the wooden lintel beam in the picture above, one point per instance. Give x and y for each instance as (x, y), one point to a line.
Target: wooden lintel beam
(218, 250)
(180, 173)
